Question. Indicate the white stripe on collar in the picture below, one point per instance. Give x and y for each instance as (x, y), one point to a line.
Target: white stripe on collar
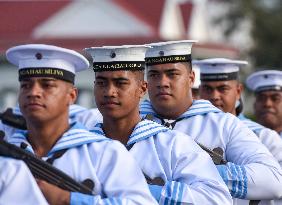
(142, 131)
(255, 127)
(198, 107)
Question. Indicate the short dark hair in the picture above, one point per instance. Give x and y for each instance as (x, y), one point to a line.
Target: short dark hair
(139, 74)
(188, 65)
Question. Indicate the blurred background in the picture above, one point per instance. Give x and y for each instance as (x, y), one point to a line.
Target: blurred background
(238, 29)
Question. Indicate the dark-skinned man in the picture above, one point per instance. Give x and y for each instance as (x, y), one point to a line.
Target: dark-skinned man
(186, 172)
(170, 79)
(46, 76)
(221, 86)
(267, 86)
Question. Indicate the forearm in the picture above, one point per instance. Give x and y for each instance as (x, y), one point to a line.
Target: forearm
(83, 199)
(252, 181)
(197, 193)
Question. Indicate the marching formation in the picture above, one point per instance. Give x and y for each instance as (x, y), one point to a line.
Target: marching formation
(186, 142)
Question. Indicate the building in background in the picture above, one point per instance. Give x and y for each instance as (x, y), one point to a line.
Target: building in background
(80, 24)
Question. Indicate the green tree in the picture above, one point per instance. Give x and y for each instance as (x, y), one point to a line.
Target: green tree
(265, 17)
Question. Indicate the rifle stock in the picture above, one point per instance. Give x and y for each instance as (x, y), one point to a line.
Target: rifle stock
(13, 120)
(216, 154)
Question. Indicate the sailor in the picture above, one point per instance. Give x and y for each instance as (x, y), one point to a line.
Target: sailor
(178, 171)
(267, 86)
(221, 86)
(170, 78)
(46, 76)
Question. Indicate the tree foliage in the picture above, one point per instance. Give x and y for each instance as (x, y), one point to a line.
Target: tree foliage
(265, 17)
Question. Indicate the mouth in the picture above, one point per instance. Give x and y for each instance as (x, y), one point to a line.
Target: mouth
(163, 94)
(267, 113)
(218, 105)
(110, 103)
(34, 106)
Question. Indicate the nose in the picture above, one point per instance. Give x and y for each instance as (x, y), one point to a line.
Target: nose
(110, 91)
(267, 102)
(214, 95)
(34, 91)
(163, 81)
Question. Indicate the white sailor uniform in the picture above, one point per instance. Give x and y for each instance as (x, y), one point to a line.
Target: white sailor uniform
(117, 177)
(17, 185)
(268, 137)
(188, 172)
(251, 172)
(272, 141)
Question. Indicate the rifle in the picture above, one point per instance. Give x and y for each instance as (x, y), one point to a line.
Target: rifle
(216, 154)
(156, 181)
(13, 120)
(43, 170)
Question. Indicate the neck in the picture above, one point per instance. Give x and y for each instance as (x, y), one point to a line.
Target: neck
(279, 129)
(43, 136)
(177, 111)
(120, 129)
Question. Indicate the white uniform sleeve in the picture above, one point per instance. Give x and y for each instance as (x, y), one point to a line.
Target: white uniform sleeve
(273, 142)
(254, 173)
(17, 185)
(121, 178)
(8, 130)
(195, 177)
(89, 118)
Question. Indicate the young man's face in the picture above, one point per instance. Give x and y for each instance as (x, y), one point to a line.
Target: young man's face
(222, 94)
(118, 93)
(169, 87)
(268, 109)
(44, 99)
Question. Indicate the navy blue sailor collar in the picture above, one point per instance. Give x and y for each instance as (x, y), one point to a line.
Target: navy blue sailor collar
(77, 135)
(142, 131)
(198, 107)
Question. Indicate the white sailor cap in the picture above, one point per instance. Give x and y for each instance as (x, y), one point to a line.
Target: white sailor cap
(219, 69)
(113, 58)
(265, 80)
(40, 60)
(169, 52)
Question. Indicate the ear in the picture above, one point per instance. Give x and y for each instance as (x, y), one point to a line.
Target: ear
(239, 89)
(143, 88)
(191, 76)
(73, 93)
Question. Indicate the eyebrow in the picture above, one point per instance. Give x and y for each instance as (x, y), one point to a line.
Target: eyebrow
(166, 70)
(118, 78)
(216, 87)
(42, 79)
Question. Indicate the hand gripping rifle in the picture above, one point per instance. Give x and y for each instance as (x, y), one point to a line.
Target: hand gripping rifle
(13, 120)
(43, 170)
(216, 154)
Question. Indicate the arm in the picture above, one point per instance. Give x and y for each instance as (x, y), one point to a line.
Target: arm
(194, 178)
(15, 175)
(121, 179)
(41, 169)
(252, 172)
(118, 179)
(273, 142)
